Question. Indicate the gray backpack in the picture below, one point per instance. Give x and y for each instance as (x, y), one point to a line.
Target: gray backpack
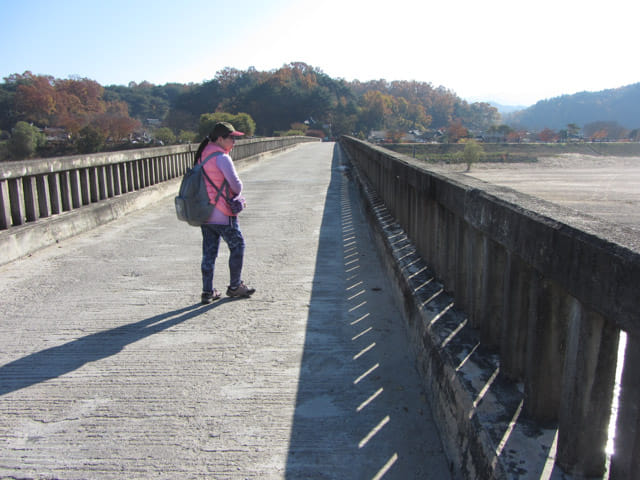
(192, 202)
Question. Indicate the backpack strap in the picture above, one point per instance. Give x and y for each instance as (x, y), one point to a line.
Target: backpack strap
(214, 154)
(225, 184)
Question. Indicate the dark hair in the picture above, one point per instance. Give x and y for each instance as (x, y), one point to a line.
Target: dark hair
(200, 149)
(220, 129)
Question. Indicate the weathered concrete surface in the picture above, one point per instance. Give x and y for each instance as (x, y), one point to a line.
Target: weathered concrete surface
(110, 368)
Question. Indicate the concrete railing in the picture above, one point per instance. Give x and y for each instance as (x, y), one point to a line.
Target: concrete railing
(547, 290)
(45, 200)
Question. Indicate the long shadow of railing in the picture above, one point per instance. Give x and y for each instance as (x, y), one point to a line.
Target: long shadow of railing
(346, 421)
(59, 360)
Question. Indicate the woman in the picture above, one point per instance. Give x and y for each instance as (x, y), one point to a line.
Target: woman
(214, 150)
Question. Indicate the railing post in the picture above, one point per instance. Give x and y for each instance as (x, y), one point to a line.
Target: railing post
(153, 167)
(136, 171)
(30, 202)
(65, 191)
(108, 173)
(515, 316)
(54, 193)
(546, 341)
(16, 200)
(144, 173)
(587, 392)
(74, 187)
(5, 205)
(122, 175)
(84, 186)
(44, 200)
(625, 461)
(492, 288)
(116, 180)
(94, 192)
(101, 183)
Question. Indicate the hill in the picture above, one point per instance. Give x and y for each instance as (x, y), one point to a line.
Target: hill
(506, 109)
(621, 105)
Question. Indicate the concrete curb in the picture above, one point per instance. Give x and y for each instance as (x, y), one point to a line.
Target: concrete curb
(476, 409)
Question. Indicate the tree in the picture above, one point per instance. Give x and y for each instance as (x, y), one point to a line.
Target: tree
(599, 135)
(115, 123)
(547, 135)
(165, 135)
(477, 116)
(241, 122)
(456, 131)
(24, 141)
(376, 108)
(612, 130)
(501, 132)
(244, 123)
(573, 130)
(394, 136)
(91, 140)
(516, 136)
(472, 153)
(186, 136)
(35, 98)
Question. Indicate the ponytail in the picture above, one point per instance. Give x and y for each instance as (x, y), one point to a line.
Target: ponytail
(200, 149)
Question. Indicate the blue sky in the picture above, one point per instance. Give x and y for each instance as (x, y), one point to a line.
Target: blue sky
(512, 52)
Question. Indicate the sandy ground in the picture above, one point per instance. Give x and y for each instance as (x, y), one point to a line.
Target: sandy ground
(604, 187)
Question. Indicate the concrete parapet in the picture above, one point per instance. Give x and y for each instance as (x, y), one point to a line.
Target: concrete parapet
(541, 294)
(44, 201)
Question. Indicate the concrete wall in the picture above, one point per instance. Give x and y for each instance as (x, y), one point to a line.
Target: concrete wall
(44, 201)
(529, 346)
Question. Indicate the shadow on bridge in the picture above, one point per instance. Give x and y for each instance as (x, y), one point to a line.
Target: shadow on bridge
(360, 411)
(59, 360)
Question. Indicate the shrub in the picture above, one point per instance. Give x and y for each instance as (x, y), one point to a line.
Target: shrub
(24, 141)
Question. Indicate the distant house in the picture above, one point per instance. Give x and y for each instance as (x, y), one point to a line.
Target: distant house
(56, 135)
(410, 137)
(381, 136)
(377, 136)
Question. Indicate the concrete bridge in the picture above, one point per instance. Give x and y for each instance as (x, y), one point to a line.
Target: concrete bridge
(351, 361)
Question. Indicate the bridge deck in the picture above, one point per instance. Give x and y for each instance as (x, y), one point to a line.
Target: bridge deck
(111, 368)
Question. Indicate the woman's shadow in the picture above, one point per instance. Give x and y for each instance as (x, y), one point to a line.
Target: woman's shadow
(56, 361)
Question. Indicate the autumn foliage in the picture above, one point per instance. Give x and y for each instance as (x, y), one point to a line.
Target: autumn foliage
(70, 104)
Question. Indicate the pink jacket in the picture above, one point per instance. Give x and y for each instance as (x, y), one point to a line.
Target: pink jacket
(218, 168)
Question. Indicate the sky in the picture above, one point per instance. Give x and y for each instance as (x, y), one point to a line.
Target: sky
(513, 52)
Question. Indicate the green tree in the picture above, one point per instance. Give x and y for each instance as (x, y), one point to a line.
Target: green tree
(165, 135)
(91, 140)
(187, 136)
(244, 123)
(472, 153)
(241, 122)
(573, 130)
(24, 141)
